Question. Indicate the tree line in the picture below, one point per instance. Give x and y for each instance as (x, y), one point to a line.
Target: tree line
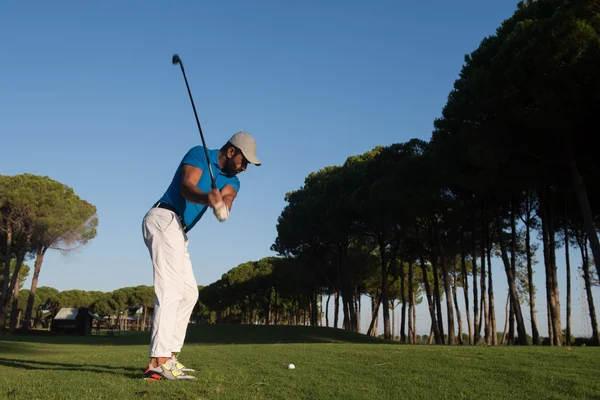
(510, 157)
(123, 302)
(37, 214)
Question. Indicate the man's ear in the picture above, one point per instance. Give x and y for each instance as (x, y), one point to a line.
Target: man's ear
(230, 152)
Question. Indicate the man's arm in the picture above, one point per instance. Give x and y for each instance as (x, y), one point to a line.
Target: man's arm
(190, 176)
(228, 193)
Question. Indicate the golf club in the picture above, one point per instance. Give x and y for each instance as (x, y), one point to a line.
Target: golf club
(177, 60)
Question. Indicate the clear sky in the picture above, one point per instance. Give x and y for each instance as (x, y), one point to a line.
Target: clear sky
(89, 97)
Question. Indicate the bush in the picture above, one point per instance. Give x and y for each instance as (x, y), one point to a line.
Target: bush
(580, 341)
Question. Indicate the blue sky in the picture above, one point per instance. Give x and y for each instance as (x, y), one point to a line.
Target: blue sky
(90, 98)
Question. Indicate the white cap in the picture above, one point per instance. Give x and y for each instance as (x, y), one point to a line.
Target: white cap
(246, 143)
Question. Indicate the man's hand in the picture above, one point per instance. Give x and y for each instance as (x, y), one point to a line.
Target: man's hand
(214, 198)
(221, 211)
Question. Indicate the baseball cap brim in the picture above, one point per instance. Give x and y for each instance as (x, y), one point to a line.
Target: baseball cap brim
(252, 159)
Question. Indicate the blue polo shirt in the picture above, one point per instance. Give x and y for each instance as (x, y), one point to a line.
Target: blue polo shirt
(192, 212)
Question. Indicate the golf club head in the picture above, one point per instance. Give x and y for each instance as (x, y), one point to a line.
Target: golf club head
(176, 59)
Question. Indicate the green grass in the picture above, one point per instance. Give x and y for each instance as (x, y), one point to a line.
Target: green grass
(250, 362)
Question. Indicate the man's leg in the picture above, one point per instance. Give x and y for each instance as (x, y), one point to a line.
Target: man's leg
(186, 306)
(166, 243)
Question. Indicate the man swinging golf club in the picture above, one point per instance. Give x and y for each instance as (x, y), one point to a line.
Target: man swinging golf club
(193, 189)
(165, 228)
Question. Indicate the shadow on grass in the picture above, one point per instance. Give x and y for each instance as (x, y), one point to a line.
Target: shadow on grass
(260, 334)
(18, 347)
(133, 373)
(212, 334)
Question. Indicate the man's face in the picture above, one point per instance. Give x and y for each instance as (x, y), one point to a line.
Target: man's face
(235, 162)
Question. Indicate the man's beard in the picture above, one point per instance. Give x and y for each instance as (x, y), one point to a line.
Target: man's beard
(229, 167)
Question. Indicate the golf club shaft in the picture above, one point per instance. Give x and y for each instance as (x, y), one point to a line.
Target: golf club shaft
(177, 60)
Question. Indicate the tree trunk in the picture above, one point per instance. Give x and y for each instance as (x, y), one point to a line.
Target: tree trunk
(458, 317)
(505, 318)
(511, 283)
(414, 317)
(393, 307)
(431, 335)
(336, 309)
(555, 292)
(476, 329)
(303, 312)
(327, 310)
(483, 311)
(315, 310)
(345, 308)
(384, 288)
(6, 272)
(552, 280)
(411, 304)
(447, 290)
(403, 309)
(484, 318)
(15, 308)
(465, 285)
(535, 335)
(251, 311)
(13, 281)
(278, 308)
(375, 302)
(347, 291)
(568, 265)
(545, 247)
(513, 266)
(492, 309)
(586, 211)
(34, 281)
(430, 303)
(588, 290)
(144, 318)
(269, 316)
(550, 329)
(358, 309)
(38, 318)
(511, 325)
(438, 301)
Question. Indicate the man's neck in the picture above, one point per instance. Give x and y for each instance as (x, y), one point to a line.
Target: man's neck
(221, 157)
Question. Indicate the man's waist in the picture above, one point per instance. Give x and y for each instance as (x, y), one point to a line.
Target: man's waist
(169, 207)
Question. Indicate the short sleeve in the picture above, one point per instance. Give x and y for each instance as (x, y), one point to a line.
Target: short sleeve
(235, 182)
(195, 157)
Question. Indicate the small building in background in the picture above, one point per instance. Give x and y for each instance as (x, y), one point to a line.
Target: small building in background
(74, 321)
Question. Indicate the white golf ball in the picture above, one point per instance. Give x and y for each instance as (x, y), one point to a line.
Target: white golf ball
(291, 366)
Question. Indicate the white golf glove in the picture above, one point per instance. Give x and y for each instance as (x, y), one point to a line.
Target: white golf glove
(221, 211)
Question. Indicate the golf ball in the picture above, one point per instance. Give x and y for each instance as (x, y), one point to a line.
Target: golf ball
(291, 366)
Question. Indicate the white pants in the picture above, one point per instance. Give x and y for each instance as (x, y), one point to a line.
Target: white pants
(174, 282)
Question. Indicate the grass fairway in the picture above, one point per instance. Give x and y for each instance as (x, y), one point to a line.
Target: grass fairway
(250, 362)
